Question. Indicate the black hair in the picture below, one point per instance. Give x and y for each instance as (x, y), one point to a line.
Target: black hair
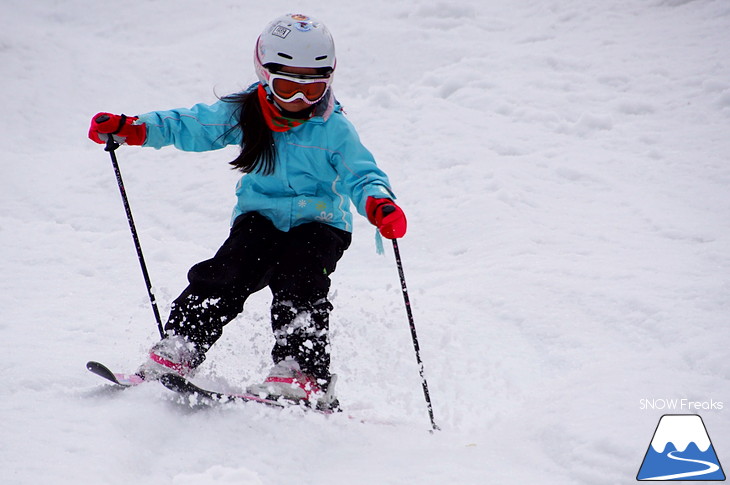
(258, 152)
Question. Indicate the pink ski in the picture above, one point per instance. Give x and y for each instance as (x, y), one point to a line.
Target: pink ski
(124, 380)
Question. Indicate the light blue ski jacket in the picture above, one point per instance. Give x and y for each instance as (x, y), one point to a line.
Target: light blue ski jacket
(320, 166)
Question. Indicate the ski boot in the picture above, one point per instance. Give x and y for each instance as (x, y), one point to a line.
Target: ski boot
(287, 381)
(173, 354)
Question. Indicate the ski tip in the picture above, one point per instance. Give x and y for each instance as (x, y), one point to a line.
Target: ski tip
(102, 371)
(125, 380)
(97, 367)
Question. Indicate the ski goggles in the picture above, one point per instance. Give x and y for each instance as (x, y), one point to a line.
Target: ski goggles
(308, 87)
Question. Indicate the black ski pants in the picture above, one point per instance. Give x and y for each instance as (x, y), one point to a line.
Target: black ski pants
(295, 265)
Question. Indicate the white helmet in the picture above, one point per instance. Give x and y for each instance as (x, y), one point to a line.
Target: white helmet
(294, 40)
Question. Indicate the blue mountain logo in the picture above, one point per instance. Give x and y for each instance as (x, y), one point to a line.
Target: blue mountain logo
(681, 450)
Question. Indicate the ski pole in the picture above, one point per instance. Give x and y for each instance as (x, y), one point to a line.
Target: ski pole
(111, 146)
(413, 333)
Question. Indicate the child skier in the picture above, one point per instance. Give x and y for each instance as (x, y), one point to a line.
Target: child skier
(303, 164)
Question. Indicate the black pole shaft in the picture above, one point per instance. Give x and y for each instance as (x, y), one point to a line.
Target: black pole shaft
(412, 324)
(111, 146)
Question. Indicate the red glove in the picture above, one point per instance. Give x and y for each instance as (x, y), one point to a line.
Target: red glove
(387, 217)
(121, 126)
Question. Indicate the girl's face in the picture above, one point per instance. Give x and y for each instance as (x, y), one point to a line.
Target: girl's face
(296, 105)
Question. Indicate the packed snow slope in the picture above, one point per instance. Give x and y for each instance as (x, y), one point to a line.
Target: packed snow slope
(564, 168)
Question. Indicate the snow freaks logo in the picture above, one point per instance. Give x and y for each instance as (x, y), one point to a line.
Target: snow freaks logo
(681, 450)
(680, 405)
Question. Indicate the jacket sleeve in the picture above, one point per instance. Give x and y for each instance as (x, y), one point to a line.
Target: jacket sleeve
(356, 166)
(197, 129)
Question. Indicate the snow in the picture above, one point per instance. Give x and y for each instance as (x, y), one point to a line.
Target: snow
(564, 167)
(680, 431)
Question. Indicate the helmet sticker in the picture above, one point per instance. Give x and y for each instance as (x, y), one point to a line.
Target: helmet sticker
(304, 26)
(280, 31)
(302, 22)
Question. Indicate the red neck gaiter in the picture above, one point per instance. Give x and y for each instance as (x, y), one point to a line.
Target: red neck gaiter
(274, 119)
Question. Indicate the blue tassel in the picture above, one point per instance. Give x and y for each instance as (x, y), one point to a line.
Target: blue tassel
(379, 243)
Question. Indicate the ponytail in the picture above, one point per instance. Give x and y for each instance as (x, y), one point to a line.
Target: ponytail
(258, 152)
